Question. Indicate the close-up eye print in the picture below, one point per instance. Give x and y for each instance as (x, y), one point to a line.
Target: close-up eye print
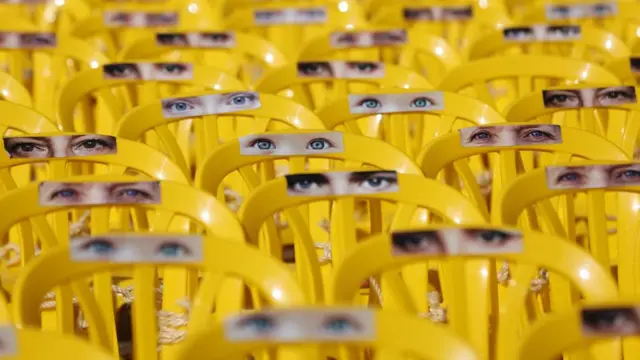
(37, 40)
(315, 15)
(389, 37)
(456, 241)
(562, 32)
(395, 103)
(359, 69)
(595, 97)
(347, 39)
(593, 176)
(8, 341)
(119, 18)
(171, 71)
(634, 63)
(216, 40)
(138, 248)
(183, 107)
(172, 39)
(300, 325)
(161, 19)
(423, 242)
(292, 144)
(510, 135)
(230, 102)
(321, 69)
(602, 9)
(60, 146)
(418, 14)
(559, 12)
(457, 13)
(98, 193)
(612, 322)
(210, 104)
(342, 183)
(519, 33)
(269, 17)
(122, 71)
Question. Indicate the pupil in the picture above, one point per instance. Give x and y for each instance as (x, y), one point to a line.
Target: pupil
(374, 181)
(101, 247)
(181, 106)
(66, 193)
(27, 147)
(239, 100)
(536, 133)
(317, 145)
(90, 144)
(170, 250)
(263, 145)
(131, 192)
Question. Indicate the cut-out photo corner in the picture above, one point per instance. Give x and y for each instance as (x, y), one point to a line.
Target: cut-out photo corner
(137, 248)
(148, 71)
(393, 103)
(580, 11)
(28, 40)
(62, 146)
(342, 183)
(210, 104)
(53, 193)
(634, 63)
(120, 18)
(610, 321)
(357, 39)
(8, 341)
(542, 32)
(341, 69)
(593, 97)
(457, 241)
(292, 144)
(293, 325)
(510, 135)
(307, 15)
(224, 40)
(593, 176)
(438, 13)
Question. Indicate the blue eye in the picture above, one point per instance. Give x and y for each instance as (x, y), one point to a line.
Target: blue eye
(570, 177)
(370, 103)
(340, 325)
(173, 250)
(100, 247)
(260, 323)
(319, 144)
(421, 102)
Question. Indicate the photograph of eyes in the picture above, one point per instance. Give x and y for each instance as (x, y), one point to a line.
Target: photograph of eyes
(418, 14)
(137, 248)
(315, 15)
(342, 183)
(597, 97)
(395, 103)
(322, 69)
(389, 37)
(294, 325)
(562, 32)
(122, 71)
(561, 12)
(457, 241)
(603, 9)
(593, 176)
(60, 146)
(348, 39)
(359, 69)
(216, 40)
(171, 39)
(161, 19)
(118, 18)
(268, 17)
(618, 321)
(510, 135)
(210, 104)
(98, 193)
(37, 40)
(635, 64)
(183, 107)
(520, 33)
(8, 341)
(170, 71)
(292, 144)
(457, 13)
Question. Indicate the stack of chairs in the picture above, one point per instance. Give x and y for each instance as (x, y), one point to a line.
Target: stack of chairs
(320, 179)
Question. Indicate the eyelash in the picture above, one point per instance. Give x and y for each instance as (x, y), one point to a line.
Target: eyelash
(173, 245)
(362, 102)
(99, 142)
(58, 193)
(249, 98)
(170, 106)
(17, 147)
(139, 193)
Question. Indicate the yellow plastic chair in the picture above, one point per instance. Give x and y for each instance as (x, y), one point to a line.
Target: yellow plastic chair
(246, 56)
(11, 90)
(623, 69)
(591, 44)
(568, 260)
(289, 33)
(219, 257)
(22, 118)
(411, 127)
(612, 113)
(502, 79)
(317, 91)
(93, 82)
(400, 333)
(211, 129)
(39, 345)
(427, 54)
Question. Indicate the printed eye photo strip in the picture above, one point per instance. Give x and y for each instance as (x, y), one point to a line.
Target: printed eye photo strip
(63, 146)
(292, 144)
(311, 15)
(148, 71)
(341, 69)
(210, 104)
(53, 193)
(352, 39)
(8, 341)
(302, 325)
(438, 13)
(542, 33)
(585, 98)
(30, 40)
(510, 135)
(115, 19)
(457, 241)
(611, 321)
(394, 103)
(593, 176)
(203, 40)
(342, 183)
(137, 248)
(581, 11)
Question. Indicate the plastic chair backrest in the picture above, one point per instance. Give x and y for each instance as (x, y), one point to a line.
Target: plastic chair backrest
(623, 69)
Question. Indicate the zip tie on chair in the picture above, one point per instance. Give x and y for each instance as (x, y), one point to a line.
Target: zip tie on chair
(233, 199)
(80, 227)
(436, 312)
(12, 249)
(504, 274)
(169, 322)
(484, 182)
(541, 281)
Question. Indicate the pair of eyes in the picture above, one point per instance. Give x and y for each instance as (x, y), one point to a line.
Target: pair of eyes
(563, 98)
(534, 135)
(90, 145)
(131, 70)
(237, 100)
(264, 324)
(375, 182)
(578, 177)
(374, 104)
(37, 40)
(420, 241)
(124, 194)
(324, 69)
(314, 144)
(609, 319)
(105, 247)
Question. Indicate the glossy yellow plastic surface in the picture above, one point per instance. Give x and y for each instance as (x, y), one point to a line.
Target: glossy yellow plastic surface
(46, 345)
